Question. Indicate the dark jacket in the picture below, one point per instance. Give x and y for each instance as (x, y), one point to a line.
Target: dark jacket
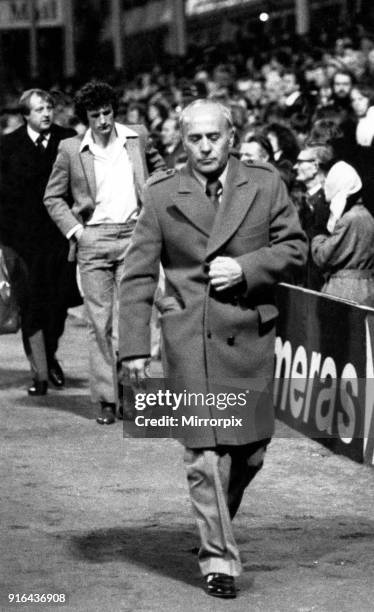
(24, 223)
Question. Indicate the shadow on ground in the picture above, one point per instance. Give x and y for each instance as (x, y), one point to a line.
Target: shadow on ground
(79, 405)
(332, 547)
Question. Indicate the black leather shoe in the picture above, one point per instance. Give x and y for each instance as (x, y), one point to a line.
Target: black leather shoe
(107, 414)
(221, 585)
(56, 374)
(39, 387)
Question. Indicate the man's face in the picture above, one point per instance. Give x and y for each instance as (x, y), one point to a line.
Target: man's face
(306, 166)
(101, 121)
(289, 84)
(252, 152)
(207, 139)
(40, 115)
(169, 133)
(342, 86)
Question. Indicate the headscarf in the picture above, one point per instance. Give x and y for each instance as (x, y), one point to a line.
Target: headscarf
(342, 181)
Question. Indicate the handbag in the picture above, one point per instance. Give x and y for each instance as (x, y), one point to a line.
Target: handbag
(10, 319)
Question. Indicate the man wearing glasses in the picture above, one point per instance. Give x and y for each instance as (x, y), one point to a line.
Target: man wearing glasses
(312, 165)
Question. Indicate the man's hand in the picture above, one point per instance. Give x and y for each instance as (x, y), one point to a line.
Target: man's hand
(225, 272)
(134, 371)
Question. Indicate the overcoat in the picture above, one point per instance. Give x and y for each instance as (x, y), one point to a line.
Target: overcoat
(47, 282)
(213, 340)
(24, 221)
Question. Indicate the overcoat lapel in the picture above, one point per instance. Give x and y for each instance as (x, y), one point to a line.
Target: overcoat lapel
(26, 144)
(238, 196)
(192, 202)
(53, 143)
(87, 161)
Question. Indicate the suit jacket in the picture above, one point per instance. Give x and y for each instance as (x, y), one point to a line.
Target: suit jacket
(24, 223)
(211, 337)
(70, 195)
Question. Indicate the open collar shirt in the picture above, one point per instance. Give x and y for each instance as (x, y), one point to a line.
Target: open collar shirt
(116, 200)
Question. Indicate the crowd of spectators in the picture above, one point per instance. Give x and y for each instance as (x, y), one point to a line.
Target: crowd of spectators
(301, 110)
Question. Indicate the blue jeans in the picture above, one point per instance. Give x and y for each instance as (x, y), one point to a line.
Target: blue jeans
(101, 260)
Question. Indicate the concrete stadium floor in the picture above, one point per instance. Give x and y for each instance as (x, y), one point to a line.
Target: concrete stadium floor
(107, 519)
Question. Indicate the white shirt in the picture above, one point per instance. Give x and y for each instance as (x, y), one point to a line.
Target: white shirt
(35, 135)
(314, 189)
(116, 200)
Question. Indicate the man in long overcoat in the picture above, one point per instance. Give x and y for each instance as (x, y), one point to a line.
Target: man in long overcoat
(49, 286)
(225, 233)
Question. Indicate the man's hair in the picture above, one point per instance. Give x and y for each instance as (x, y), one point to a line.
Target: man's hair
(344, 72)
(326, 131)
(323, 153)
(287, 140)
(201, 102)
(366, 91)
(93, 96)
(263, 142)
(175, 120)
(24, 101)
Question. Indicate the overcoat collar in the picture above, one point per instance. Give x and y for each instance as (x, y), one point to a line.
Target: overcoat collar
(238, 195)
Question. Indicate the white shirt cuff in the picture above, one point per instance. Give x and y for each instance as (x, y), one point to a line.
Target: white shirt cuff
(71, 232)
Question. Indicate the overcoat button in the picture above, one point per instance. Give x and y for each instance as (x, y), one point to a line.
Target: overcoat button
(209, 335)
(231, 340)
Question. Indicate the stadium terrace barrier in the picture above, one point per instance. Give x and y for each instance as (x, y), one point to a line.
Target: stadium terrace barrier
(324, 370)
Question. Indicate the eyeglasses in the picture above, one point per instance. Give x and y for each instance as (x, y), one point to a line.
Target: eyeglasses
(308, 161)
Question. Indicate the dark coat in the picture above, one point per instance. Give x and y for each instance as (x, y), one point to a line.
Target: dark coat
(314, 214)
(171, 158)
(24, 223)
(211, 338)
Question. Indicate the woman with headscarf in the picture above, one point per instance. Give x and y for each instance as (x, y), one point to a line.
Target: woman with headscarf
(345, 253)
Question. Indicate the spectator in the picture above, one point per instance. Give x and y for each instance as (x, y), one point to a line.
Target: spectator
(311, 168)
(285, 150)
(171, 141)
(340, 103)
(256, 148)
(345, 251)
(156, 115)
(358, 140)
(293, 100)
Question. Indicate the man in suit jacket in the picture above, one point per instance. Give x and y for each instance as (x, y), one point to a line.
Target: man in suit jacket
(27, 156)
(225, 233)
(93, 195)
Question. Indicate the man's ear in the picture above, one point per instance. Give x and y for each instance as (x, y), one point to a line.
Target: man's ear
(232, 136)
